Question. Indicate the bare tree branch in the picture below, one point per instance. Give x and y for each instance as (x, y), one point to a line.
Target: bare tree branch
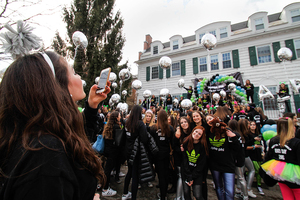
(4, 9)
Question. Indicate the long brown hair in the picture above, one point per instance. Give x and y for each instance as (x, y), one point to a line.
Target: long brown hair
(162, 123)
(181, 129)
(33, 104)
(285, 130)
(261, 112)
(108, 129)
(243, 128)
(190, 140)
(222, 112)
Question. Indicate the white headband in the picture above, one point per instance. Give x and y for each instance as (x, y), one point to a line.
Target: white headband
(48, 60)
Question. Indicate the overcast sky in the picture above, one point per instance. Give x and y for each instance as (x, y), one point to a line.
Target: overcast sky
(164, 18)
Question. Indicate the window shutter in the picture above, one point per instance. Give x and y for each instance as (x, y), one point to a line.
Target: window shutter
(290, 44)
(148, 73)
(182, 67)
(252, 55)
(256, 96)
(276, 47)
(235, 58)
(168, 71)
(195, 65)
(160, 73)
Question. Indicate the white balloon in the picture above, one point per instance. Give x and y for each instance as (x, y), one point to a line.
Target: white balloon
(231, 86)
(112, 77)
(223, 93)
(136, 84)
(83, 83)
(216, 97)
(284, 53)
(295, 83)
(264, 92)
(97, 79)
(186, 104)
(164, 92)
(114, 85)
(165, 62)
(146, 93)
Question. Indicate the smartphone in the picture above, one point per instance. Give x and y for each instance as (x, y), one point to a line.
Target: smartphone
(104, 76)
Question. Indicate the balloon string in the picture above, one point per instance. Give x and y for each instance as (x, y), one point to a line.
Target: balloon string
(75, 54)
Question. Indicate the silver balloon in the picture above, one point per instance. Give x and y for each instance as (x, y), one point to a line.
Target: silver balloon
(124, 74)
(97, 79)
(209, 41)
(119, 105)
(137, 84)
(216, 97)
(79, 39)
(111, 104)
(175, 102)
(223, 93)
(284, 53)
(112, 77)
(83, 83)
(124, 92)
(114, 85)
(165, 62)
(124, 107)
(163, 99)
(146, 94)
(231, 86)
(115, 98)
(164, 92)
(186, 104)
(181, 83)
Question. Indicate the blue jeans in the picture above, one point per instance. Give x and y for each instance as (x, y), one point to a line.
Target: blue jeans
(224, 183)
(169, 107)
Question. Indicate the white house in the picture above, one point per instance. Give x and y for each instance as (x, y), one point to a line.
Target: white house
(249, 47)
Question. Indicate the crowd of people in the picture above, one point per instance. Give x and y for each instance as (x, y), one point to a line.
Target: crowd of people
(46, 151)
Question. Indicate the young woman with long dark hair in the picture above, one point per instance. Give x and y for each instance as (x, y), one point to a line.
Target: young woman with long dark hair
(239, 161)
(222, 144)
(111, 151)
(163, 134)
(135, 128)
(44, 149)
(256, 154)
(194, 150)
(182, 131)
(249, 147)
(283, 159)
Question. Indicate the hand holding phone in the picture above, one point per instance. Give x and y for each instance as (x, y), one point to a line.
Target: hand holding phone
(104, 76)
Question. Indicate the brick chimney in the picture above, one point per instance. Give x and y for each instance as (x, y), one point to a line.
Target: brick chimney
(140, 54)
(148, 42)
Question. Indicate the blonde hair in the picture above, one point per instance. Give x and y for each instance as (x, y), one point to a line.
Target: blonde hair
(152, 118)
(285, 130)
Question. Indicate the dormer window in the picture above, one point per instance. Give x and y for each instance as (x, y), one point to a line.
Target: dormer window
(175, 44)
(259, 24)
(155, 50)
(223, 32)
(295, 14)
(200, 37)
(213, 32)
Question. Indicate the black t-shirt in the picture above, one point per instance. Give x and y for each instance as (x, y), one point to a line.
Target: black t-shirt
(221, 157)
(48, 173)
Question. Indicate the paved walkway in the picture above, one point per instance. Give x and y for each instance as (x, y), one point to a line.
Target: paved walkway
(145, 193)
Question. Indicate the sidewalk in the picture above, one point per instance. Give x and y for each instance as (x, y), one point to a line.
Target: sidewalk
(145, 193)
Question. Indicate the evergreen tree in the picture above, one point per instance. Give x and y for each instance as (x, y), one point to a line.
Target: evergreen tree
(103, 29)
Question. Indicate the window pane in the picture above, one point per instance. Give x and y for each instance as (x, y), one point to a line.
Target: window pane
(175, 69)
(296, 19)
(175, 44)
(155, 50)
(271, 104)
(203, 64)
(223, 35)
(203, 68)
(226, 60)
(264, 54)
(259, 21)
(213, 32)
(297, 47)
(295, 13)
(258, 27)
(214, 62)
(200, 36)
(154, 72)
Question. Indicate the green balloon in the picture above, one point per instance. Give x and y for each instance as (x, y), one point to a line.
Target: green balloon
(269, 134)
(237, 92)
(227, 77)
(219, 80)
(230, 77)
(80, 109)
(223, 79)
